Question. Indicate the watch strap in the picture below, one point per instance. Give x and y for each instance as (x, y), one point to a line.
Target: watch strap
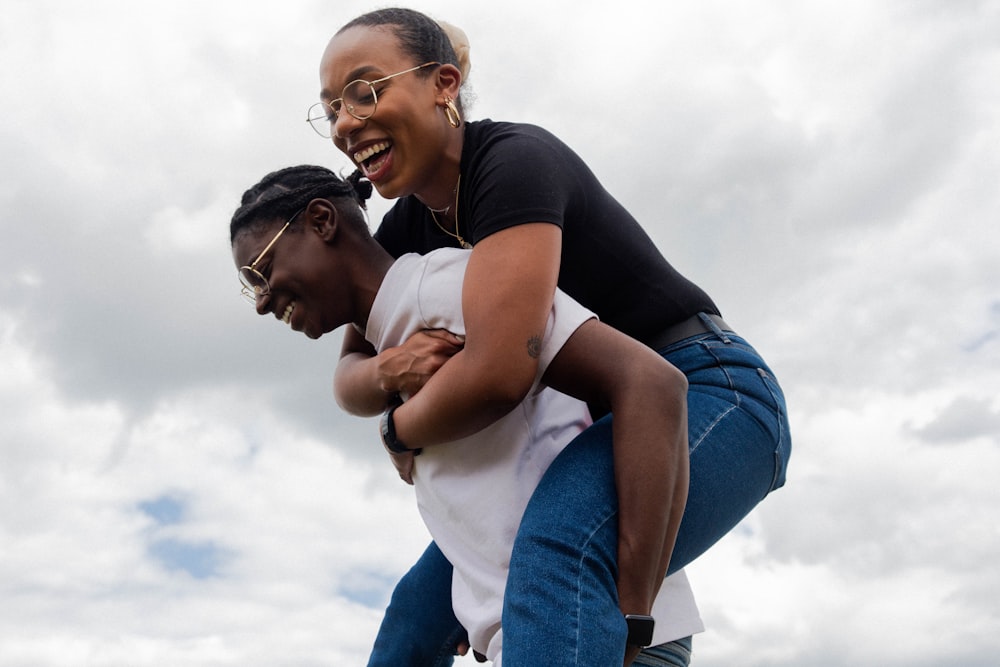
(387, 427)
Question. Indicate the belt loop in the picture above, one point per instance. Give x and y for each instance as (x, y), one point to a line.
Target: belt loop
(714, 328)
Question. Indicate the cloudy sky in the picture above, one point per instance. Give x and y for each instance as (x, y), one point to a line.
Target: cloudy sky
(177, 486)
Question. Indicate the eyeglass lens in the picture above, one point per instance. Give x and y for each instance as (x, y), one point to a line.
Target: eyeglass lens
(254, 284)
(358, 99)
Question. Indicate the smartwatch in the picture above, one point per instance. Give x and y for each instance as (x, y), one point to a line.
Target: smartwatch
(388, 430)
(640, 630)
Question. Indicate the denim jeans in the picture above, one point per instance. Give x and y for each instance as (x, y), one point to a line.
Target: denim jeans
(672, 654)
(561, 602)
(419, 628)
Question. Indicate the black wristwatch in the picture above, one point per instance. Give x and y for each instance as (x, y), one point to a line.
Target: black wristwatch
(640, 630)
(388, 429)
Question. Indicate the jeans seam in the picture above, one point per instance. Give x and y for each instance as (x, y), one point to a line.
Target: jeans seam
(767, 379)
(579, 584)
(711, 426)
(732, 387)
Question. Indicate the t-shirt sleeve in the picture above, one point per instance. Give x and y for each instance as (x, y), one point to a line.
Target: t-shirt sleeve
(521, 176)
(566, 317)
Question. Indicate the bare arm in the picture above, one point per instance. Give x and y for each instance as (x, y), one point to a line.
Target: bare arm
(364, 382)
(506, 299)
(648, 398)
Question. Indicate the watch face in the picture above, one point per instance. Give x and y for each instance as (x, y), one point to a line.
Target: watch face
(640, 630)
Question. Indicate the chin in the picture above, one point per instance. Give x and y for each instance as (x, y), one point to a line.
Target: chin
(387, 190)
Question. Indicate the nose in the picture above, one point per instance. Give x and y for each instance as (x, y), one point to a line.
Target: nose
(344, 125)
(263, 303)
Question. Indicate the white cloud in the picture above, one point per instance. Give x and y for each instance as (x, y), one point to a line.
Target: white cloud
(828, 171)
(299, 531)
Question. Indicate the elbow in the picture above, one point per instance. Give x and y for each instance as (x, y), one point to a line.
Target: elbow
(672, 385)
(504, 386)
(660, 386)
(509, 393)
(675, 382)
(351, 398)
(341, 397)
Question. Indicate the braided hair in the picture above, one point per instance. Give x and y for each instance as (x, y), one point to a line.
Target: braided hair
(281, 193)
(420, 36)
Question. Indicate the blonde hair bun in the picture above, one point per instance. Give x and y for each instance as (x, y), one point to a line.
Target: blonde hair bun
(459, 42)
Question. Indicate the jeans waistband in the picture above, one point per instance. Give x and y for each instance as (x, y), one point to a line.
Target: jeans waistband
(692, 326)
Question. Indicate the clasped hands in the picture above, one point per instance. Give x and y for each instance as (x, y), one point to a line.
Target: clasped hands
(406, 369)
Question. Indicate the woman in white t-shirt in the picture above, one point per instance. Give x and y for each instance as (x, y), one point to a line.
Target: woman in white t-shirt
(305, 256)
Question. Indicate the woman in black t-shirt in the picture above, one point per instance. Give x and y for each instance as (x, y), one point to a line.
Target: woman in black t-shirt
(534, 216)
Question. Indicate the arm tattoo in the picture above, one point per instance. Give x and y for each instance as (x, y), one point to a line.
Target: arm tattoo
(534, 346)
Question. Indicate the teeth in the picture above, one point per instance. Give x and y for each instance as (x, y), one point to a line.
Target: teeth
(287, 315)
(375, 149)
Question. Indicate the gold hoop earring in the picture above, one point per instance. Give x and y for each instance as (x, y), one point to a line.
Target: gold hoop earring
(451, 113)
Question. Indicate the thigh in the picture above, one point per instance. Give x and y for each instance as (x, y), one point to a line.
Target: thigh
(568, 534)
(561, 601)
(738, 439)
(419, 627)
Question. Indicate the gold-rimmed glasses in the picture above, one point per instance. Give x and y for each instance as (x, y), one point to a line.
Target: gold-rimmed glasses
(359, 98)
(254, 282)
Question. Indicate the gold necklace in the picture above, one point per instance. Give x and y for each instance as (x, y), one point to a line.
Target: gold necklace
(455, 235)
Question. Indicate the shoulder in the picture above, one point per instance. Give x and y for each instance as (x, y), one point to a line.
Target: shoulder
(521, 157)
(566, 317)
(486, 137)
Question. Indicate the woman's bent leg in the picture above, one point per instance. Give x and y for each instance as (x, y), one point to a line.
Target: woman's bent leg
(738, 439)
(419, 628)
(561, 600)
(561, 603)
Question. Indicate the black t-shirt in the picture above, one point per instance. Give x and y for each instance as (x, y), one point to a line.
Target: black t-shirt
(514, 174)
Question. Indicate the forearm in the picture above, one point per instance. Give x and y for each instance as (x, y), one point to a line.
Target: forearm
(461, 399)
(365, 383)
(651, 476)
(648, 399)
(356, 385)
(507, 296)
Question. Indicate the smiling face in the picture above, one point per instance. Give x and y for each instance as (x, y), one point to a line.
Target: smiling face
(308, 290)
(407, 146)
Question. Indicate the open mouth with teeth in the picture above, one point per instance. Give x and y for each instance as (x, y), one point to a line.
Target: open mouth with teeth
(287, 315)
(373, 158)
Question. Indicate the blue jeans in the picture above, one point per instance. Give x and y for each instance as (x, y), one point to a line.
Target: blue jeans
(561, 602)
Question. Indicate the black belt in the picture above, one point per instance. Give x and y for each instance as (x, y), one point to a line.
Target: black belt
(692, 326)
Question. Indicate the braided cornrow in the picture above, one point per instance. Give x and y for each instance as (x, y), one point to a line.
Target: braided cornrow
(281, 193)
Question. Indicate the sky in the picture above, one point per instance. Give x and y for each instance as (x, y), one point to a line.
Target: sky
(177, 485)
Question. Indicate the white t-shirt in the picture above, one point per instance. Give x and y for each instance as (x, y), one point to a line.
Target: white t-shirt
(472, 492)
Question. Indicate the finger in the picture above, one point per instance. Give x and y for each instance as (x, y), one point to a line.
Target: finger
(445, 335)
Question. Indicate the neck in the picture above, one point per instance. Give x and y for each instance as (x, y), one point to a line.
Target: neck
(438, 192)
(443, 201)
(372, 265)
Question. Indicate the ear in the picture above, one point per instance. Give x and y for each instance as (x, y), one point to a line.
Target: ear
(322, 219)
(449, 81)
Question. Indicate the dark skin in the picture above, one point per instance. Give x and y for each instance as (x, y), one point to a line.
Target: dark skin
(326, 274)
(407, 147)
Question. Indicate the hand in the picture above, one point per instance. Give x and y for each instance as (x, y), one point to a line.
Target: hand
(631, 653)
(404, 466)
(405, 369)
